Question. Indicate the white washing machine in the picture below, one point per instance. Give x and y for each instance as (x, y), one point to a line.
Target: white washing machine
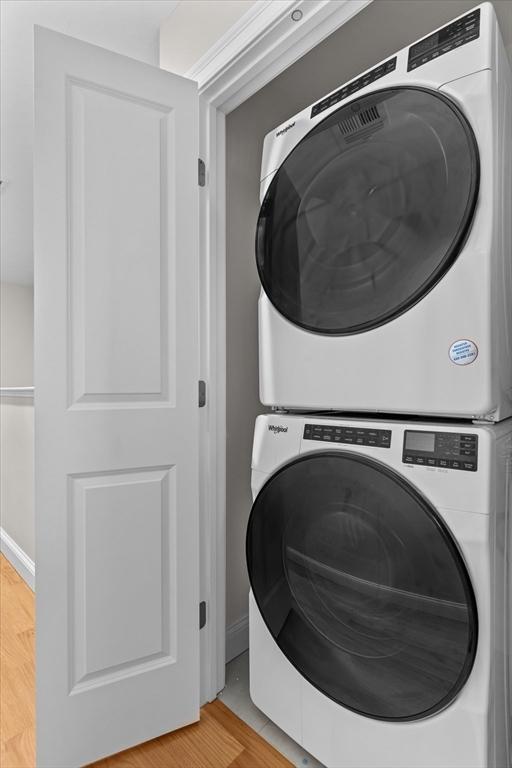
(385, 232)
(379, 617)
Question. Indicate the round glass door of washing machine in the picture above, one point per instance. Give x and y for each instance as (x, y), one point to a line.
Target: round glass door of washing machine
(368, 211)
(362, 586)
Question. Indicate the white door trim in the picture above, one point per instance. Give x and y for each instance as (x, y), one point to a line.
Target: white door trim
(257, 49)
(263, 43)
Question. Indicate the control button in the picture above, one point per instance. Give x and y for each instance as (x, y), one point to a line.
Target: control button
(326, 437)
(316, 436)
(337, 438)
(419, 460)
(348, 439)
(407, 459)
(454, 464)
(432, 462)
(360, 440)
(469, 466)
(466, 452)
(371, 441)
(444, 463)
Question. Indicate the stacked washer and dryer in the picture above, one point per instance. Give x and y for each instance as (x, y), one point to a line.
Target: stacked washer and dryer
(378, 546)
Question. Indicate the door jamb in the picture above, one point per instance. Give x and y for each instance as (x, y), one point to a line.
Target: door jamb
(258, 48)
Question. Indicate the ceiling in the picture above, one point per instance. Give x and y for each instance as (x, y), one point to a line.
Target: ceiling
(130, 27)
(179, 54)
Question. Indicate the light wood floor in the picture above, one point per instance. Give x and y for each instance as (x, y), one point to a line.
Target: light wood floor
(219, 740)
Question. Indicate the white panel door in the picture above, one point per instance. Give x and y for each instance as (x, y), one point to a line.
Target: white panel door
(116, 286)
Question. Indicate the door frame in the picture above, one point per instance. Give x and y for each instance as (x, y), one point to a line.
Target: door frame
(261, 45)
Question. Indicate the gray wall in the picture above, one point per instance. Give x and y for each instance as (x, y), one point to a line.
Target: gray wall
(376, 32)
(17, 415)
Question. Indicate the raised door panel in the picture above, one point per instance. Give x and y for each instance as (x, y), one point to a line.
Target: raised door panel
(122, 250)
(123, 558)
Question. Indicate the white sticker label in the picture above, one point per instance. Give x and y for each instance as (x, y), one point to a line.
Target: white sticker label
(463, 352)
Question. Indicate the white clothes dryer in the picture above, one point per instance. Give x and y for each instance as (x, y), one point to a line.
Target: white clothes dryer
(384, 237)
(380, 605)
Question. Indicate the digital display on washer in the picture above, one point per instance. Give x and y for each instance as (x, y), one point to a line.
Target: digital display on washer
(448, 38)
(446, 450)
(420, 441)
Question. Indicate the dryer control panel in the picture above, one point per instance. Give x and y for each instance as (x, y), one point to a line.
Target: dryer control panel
(447, 450)
(329, 433)
(355, 85)
(448, 38)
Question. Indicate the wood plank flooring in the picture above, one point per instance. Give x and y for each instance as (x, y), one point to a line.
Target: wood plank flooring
(219, 740)
(17, 682)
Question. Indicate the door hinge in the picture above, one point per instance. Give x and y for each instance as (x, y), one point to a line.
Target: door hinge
(202, 614)
(202, 393)
(201, 172)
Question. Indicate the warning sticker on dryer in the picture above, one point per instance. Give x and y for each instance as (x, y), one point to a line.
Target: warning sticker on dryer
(463, 352)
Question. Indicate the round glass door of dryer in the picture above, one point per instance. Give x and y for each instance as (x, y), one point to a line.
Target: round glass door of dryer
(369, 211)
(362, 586)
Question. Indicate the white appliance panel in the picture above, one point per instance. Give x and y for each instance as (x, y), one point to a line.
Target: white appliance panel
(473, 730)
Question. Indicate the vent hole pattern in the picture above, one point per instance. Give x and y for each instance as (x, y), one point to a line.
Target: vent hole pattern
(360, 120)
(369, 115)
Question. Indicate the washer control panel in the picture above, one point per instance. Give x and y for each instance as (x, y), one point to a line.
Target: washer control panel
(448, 38)
(447, 450)
(329, 433)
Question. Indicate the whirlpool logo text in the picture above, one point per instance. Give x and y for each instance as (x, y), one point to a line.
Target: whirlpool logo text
(276, 429)
(285, 129)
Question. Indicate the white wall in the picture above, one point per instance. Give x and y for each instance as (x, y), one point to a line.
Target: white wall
(375, 33)
(17, 415)
(16, 335)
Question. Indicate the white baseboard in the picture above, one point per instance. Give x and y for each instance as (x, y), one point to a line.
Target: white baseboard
(237, 638)
(18, 559)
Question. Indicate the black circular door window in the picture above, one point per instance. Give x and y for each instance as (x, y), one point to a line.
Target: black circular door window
(369, 211)
(362, 586)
